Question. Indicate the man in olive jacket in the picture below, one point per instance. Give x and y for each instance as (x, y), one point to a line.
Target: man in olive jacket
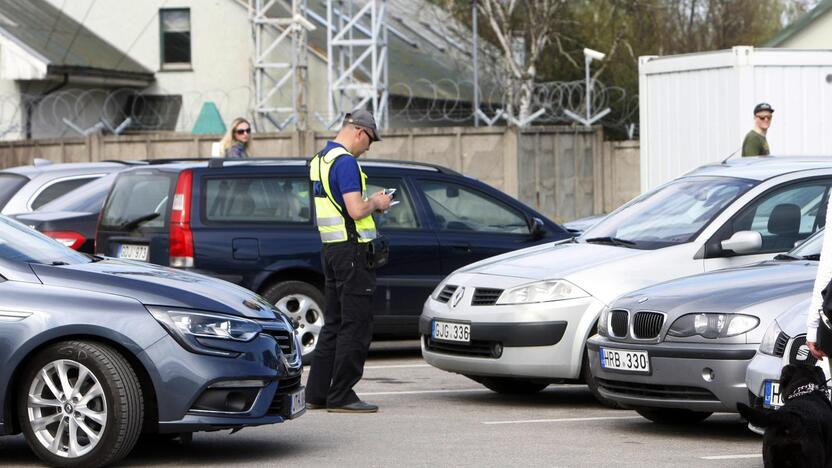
(755, 143)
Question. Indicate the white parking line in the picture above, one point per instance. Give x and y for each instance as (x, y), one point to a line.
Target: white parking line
(397, 366)
(731, 457)
(532, 421)
(419, 392)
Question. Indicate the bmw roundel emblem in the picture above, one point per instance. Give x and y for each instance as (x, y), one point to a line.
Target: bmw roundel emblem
(457, 297)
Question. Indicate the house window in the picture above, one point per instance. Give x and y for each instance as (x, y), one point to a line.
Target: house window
(175, 31)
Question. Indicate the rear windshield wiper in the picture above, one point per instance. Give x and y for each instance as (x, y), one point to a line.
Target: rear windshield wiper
(611, 241)
(134, 223)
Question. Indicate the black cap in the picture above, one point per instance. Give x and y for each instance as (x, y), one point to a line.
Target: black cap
(362, 118)
(763, 107)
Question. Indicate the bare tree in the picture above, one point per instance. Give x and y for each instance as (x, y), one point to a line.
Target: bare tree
(531, 22)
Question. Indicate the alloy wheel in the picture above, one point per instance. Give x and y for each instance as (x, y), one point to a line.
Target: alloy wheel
(67, 409)
(307, 317)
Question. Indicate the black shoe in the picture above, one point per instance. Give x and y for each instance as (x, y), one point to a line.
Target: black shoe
(357, 407)
(313, 406)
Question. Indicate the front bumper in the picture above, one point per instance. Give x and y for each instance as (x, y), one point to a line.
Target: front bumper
(263, 379)
(539, 341)
(677, 377)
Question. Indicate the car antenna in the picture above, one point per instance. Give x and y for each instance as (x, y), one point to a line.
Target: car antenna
(730, 155)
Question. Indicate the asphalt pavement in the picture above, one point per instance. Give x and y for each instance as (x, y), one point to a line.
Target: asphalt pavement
(434, 418)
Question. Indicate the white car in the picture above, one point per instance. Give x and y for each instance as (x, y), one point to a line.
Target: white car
(519, 321)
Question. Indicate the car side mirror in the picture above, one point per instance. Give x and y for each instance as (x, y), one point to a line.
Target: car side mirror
(743, 242)
(536, 229)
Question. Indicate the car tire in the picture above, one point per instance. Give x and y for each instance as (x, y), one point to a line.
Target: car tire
(593, 385)
(673, 416)
(303, 303)
(84, 388)
(509, 386)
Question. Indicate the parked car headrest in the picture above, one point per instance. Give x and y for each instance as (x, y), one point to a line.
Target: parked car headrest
(784, 220)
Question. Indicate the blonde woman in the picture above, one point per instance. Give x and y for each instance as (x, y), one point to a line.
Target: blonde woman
(235, 142)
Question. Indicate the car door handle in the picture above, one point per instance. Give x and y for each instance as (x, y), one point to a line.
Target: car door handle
(461, 248)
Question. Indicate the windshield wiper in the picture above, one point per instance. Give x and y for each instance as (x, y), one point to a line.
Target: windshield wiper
(59, 263)
(611, 241)
(134, 223)
(811, 257)
(785, 256)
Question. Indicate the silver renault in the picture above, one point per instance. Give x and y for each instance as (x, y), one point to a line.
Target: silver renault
(678, 351)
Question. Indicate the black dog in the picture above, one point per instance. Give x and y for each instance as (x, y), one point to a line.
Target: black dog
(800, 432)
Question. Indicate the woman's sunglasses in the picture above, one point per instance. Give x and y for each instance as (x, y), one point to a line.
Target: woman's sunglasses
(240, 131)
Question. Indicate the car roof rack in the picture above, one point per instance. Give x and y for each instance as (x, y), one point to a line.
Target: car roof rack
(127, 162)
(216, 162)
(175, 160)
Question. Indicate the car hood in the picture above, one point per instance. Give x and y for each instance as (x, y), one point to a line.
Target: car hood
(550, 261)
(725, 290)
(37, 216)
(156, 285)
(793, 320)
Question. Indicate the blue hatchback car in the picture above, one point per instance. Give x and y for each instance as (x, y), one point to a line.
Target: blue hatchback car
(96, 351)
(251, 222)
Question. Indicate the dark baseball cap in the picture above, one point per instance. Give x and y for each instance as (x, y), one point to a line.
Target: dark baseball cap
(763, 107)
(362, 118)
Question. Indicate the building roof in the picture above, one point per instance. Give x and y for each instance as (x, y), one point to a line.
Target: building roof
(429, 53)
(66, 46)
(798, 25)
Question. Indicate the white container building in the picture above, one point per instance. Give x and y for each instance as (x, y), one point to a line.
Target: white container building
(696, 108)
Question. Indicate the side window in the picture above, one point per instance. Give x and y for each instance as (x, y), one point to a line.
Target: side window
(399, 216)
(785, 216)
(257, 199)
(57, 189)
(458, 208)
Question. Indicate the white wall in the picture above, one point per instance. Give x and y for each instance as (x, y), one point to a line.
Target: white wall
(696, 108)
(221, 52)
(816, 35)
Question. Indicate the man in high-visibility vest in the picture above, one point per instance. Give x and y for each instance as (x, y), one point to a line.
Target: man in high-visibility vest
(345, 222)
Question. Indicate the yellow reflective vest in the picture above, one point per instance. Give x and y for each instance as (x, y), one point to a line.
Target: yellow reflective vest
(332, 219)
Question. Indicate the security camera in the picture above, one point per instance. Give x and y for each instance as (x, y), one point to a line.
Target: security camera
(594, 54)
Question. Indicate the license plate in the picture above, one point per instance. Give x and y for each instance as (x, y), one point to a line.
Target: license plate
(624, 360)
(772, 395)
(133, 252)
(298, 402)
(450, 331)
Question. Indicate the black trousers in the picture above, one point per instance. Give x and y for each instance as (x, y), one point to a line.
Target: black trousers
(348, 326)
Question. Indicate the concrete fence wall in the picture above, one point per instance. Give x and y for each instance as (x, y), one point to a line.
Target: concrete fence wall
(564, 172)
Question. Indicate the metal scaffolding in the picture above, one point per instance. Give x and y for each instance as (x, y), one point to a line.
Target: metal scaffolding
(357, 59)
(275, 27)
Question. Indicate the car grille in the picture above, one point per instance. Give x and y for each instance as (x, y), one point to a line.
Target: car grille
(669, 392)
(486, 296)
(285, 340)
(618, 323)
(780, 344)
(647, 325)
(284, 387)
(475, 348)
(446, 293)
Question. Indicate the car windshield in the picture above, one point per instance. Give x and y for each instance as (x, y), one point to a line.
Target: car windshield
(9, 185)
(21, 244)
(87, 198)
(810, 248)
(669, 215)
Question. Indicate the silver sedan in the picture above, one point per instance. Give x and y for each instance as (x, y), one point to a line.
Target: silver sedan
(679, 351)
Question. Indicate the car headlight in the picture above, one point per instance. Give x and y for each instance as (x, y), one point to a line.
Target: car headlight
(541, 291)
(770, 339)
(712, 325)
(603, 322)
(191, 328)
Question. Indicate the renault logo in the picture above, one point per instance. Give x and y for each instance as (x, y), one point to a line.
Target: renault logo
(460, 291)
